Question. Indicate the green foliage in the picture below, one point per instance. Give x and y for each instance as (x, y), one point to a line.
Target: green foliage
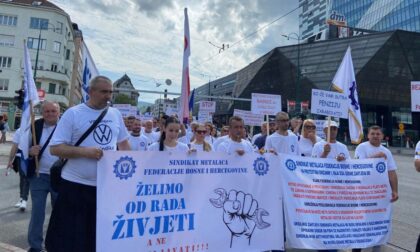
(124, 99)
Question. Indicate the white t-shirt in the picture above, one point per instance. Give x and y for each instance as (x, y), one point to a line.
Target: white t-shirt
(337, 148)
(180, 147)
(417, 154)
(16, 136)
(220, 140)
(46, 160)
(199, 147)
(229, 146)
(283, 144)
(366, 150)
(139, 142)
(73, 124)
(255, 138)
(153, 136)
(306, 145)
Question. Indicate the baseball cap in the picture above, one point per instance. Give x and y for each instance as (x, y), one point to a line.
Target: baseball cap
(332, 124)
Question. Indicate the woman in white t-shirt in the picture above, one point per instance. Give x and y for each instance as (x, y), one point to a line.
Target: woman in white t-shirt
(169, 137)
(308, 138)
(199, 144)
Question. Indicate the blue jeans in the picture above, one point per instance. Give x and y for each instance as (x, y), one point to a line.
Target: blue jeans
(39, 187)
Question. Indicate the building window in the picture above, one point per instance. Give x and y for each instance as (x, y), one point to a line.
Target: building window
(5, 62)
(51, 88)
(56, 47)
(7, 40)
(38, 23)
(63, 91)
(38, 85)
(67, 54)
(33, 43)
(54, 67)
(59, 28)
(4, 84)
(8, 20)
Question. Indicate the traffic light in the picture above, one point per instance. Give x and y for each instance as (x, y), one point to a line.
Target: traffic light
(19, 100)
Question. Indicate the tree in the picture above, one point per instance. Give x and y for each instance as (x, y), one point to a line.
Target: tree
(124, 99)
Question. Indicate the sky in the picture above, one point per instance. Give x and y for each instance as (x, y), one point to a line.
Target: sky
(144, 38)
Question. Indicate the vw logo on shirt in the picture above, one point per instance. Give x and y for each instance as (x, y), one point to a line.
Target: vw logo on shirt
(102, 134)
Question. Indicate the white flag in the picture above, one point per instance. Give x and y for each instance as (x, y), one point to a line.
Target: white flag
(185, 89)
(345, 82)
(31, 94)
(89, 71)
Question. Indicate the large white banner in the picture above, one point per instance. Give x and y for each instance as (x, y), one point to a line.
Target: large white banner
(329, 103)
(265, 104)
(415, 96)
(161, 201)
(336, 205)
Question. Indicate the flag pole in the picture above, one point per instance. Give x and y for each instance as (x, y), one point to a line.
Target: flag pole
(329, 129)
(34, 137)
(32, 112)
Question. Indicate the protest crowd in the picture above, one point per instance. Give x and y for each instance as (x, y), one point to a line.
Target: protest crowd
(75, 142)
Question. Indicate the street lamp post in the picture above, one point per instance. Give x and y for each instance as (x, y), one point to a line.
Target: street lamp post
(39, 44)
(298, 68)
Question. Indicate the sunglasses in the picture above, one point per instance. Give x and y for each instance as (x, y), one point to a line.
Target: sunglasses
(201, 131)
(310, 127)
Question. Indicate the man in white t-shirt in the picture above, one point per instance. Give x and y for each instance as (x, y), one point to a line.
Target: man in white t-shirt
(374, 149)
(417, 157)
(137, 140)
(235, 143)
(283, 140)
(149, 132)
(40, 185)
(72, 225)
(333, 149)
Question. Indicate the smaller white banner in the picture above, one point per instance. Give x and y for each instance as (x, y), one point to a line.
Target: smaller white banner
(329, 103)
(204, 117)
(249, 118)
(171, 111)
(133, 111)
(265, 104)
(207, 106)
(415, 96)
(320, 128)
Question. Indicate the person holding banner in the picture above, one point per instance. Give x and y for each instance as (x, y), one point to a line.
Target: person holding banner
(137, 140)
(283, 140)
(333, 149)
(169, 137)
(72, 224)
(235, 143)
(417, 157)
(199, 144)
(308, 138)
(374, 149)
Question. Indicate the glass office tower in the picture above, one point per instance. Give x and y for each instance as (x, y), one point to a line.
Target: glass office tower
(380, 15)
